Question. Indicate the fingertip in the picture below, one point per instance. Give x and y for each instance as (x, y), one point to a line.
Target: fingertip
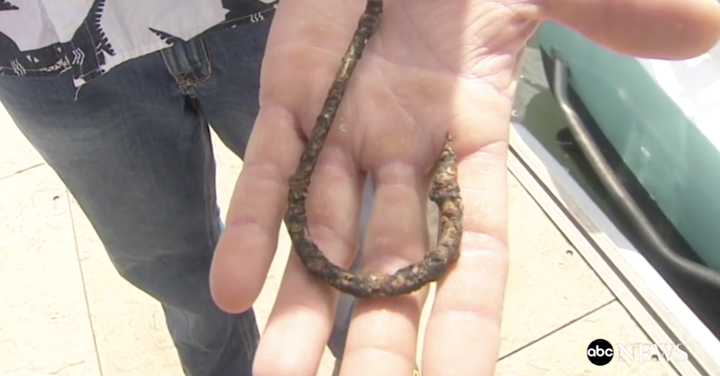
(671, 29)
(233, 288)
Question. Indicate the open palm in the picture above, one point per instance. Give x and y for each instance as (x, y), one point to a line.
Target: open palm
(433, 66)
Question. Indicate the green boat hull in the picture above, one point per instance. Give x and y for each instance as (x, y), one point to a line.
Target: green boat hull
(663, 119)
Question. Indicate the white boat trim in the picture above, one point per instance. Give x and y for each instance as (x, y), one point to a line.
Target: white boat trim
(637, 285)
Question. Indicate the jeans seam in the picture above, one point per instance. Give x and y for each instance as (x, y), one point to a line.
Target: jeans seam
(208, 59)
(245, 331)
(184, 84)
(248, 341)
(208, 205)
(208, 184)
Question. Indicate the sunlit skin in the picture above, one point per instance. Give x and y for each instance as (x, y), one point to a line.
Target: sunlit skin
(433, 67)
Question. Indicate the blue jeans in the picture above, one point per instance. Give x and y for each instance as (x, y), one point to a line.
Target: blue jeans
(134, 148)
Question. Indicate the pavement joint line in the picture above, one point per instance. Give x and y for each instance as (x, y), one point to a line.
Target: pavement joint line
(22, 170)
(559, 328)
(82, 280)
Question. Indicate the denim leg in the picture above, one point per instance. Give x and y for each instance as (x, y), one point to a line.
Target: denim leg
(136, 154)
(229, 97)
(133, 147)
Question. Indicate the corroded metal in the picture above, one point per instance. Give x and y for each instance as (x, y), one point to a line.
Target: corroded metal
(444, 192)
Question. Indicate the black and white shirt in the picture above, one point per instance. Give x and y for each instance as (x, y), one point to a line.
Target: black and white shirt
(89, 37)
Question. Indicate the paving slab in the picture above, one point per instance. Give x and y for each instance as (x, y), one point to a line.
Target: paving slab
(45, 326)
(549, 283)
(564, 352)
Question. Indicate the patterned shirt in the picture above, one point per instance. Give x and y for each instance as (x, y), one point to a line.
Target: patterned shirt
(89, 37)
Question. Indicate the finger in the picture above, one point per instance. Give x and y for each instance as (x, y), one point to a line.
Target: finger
(672, 29)
(302, 318)
(383, 332)
(463, 331)
(247, 246)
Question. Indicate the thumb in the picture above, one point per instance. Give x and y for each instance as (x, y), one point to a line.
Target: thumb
(664, 29)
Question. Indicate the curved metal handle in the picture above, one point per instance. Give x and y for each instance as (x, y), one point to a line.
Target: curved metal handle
(620, 195)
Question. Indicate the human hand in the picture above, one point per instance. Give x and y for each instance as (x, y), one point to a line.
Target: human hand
(433, 66)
